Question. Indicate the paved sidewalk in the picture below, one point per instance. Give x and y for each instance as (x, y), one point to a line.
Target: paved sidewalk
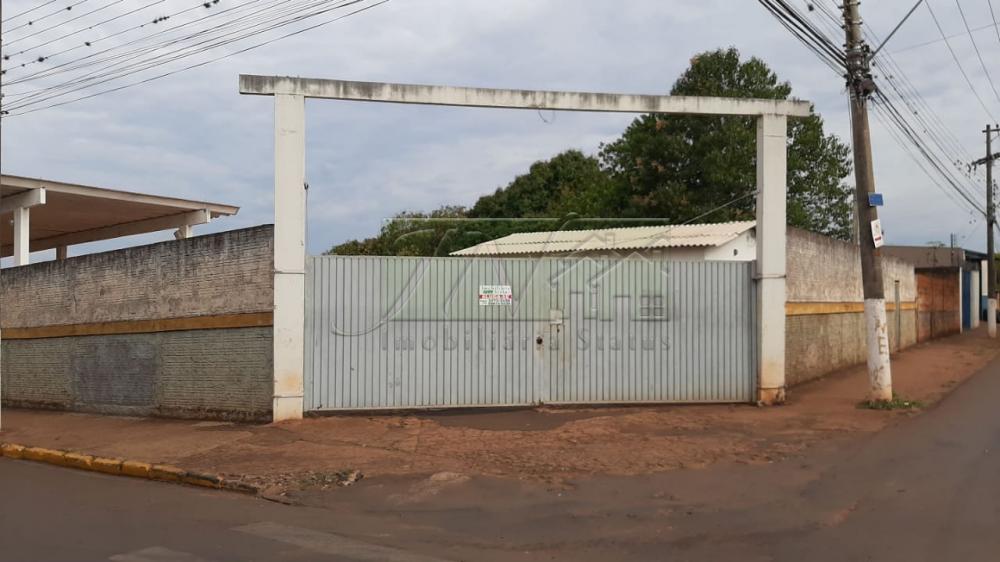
(546, 445)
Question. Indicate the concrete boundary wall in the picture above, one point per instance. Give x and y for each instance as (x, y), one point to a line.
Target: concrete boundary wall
(825, 306)
(177, 329)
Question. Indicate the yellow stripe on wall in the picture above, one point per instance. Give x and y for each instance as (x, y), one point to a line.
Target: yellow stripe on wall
(816, 308)
(214, 322)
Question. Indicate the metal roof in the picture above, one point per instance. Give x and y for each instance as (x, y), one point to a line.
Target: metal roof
(75, 214)
(633, 238)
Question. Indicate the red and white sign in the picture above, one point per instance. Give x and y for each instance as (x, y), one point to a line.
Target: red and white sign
(495, 295)
(877, 234)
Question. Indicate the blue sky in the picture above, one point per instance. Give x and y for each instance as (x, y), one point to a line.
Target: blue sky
(192, 135)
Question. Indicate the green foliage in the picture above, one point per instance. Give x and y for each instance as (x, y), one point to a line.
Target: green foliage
(897, 403)
(666, 169)
(554, 191)
(438, 233)
(570, 182)
(678, 167)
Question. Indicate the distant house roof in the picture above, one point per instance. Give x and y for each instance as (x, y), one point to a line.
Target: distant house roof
(623, 239)
(935, 256)
(927, 256)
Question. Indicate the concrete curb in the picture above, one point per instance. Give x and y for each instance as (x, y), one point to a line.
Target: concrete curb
(120, 467)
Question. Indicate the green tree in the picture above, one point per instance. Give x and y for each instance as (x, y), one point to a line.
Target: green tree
(679, 167)
(570, 182)
(667, 169)
(409, 234)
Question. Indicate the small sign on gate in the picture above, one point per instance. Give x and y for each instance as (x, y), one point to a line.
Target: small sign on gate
(495, 295)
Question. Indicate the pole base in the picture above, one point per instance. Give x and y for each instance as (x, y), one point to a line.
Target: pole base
(770, 396)
(880, 395)
(991, 318)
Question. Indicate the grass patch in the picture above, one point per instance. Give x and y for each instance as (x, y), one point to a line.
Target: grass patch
(897, 403)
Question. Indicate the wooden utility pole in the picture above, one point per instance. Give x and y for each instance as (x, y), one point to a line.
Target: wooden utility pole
(860, 86)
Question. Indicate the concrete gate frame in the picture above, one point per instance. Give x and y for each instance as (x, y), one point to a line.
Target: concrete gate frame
(290, 94)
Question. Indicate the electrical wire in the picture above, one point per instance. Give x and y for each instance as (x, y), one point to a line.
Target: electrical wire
(89, 28)
(913, 137)
(909, 95)
(46, 16)
(927, 156)
(958, 63)
(906, 90)
(60, 24)
(920, 162)
(203, 63)
(68, 65)
(803, 30)
(996, 26)
(976, 47)
(92, 59)
(939, 40)
(28, 11)
(110, 73)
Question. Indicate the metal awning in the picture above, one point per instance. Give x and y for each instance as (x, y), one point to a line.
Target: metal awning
(56, 214)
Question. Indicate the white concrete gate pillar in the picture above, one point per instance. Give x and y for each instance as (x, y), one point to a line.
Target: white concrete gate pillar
(289, 255)
(772, 175)
(22, 231)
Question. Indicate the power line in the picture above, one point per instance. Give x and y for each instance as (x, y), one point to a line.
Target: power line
(883, 118)
(60, 24)
(203, 63)
(47, 16)
(914, 138)
(96, 77)
(993, 15)
(916, 148)
(49, 71)
(91, 27)
(957, 62)
(28, 11)
(803, 30)
(906, 91)
(68, 66)
(976, 47)
(936, 41)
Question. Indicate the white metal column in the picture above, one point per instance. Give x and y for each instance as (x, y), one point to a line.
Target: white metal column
(289, 255)
(771, 237)
(22, 231)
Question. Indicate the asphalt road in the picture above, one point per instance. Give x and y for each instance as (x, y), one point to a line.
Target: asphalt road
(49, 513)
(926, 489)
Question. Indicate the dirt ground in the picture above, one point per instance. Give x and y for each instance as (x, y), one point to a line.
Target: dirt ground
(550, 446)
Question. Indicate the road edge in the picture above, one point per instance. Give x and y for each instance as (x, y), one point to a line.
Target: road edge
(129, 468)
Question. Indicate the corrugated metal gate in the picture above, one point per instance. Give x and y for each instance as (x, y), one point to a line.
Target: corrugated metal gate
(389, 332)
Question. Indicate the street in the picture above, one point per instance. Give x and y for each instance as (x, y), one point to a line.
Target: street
(924, 489)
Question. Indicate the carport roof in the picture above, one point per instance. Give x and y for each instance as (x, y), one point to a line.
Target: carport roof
(76, 214)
